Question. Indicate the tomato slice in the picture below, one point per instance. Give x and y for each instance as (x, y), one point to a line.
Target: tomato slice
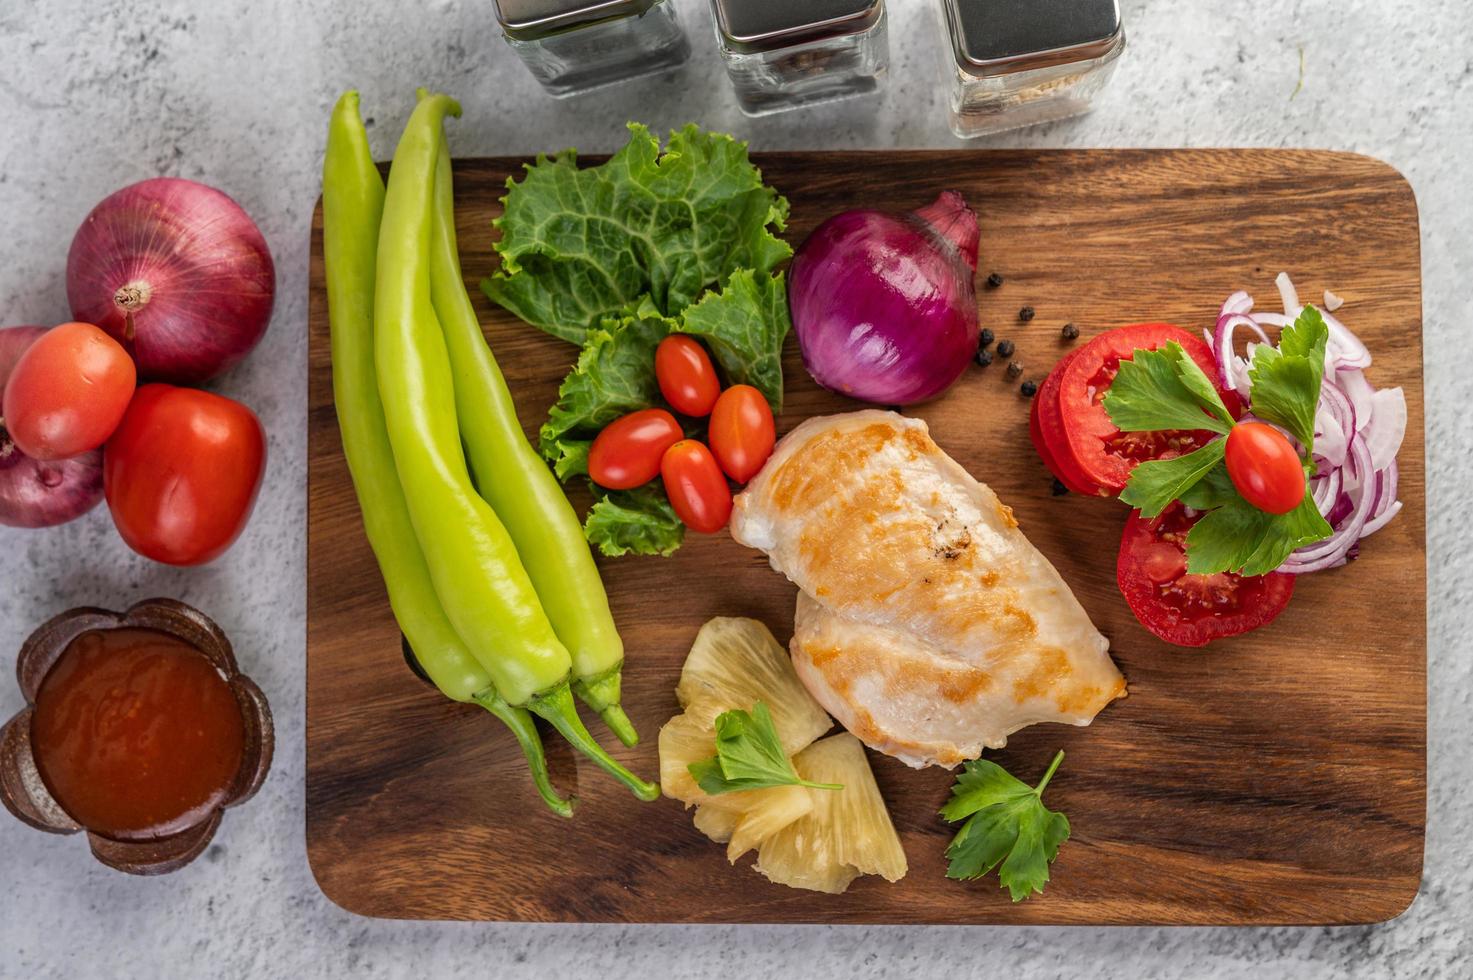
(1092, 445)
(1046, 430)
(1190, 610)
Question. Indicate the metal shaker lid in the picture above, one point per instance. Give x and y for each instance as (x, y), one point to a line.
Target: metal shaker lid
(751, 26)
(999, 37)
(529, 20)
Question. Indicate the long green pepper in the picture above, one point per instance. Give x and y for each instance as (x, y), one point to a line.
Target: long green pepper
(514, 480)
(352, 203)
(482, 586)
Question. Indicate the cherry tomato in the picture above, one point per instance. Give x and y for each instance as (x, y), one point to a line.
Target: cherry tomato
(742, 432)
(1264, 467)
(627, 453)
(686, 377)
(68, 392)
(1190, 610)
(696, 487)
(181, 473)
(1092, 447)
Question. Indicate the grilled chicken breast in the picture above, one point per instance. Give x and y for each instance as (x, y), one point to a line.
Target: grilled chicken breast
(927, 623)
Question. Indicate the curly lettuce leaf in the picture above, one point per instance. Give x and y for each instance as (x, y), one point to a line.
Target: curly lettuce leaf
(580, 245)
(615, 375)
(639, 521)
(744, 327)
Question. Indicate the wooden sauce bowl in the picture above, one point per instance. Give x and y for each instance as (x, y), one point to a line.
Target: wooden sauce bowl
(25, 794)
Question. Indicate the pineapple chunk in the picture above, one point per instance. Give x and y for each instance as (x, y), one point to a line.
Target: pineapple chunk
(769, 811)
(758, 815)
(736, 662)
(716, 824)
(847, 833)
(733, 664)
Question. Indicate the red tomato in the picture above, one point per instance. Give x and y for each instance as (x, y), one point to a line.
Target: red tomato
(181, 473)
(1265, 467)
(742, 431)
(627, 453)
(686, 377)
(695, 486)
(68, 392)
(1046, 429)
(1092, 446)
(1190, 610)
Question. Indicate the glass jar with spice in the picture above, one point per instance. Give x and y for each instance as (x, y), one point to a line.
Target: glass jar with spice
(782, 54)
(1015, 63)
(571, 46)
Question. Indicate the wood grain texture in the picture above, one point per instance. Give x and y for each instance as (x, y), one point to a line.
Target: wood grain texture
(1276, 778)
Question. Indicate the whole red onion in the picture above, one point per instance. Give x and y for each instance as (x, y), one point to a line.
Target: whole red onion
(35, 493)
(884, 305)
(178, 273)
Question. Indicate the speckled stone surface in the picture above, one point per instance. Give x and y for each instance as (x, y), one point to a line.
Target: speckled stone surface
(95, 94)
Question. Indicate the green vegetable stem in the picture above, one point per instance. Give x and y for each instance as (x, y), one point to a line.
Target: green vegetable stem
(352, 202)
(481, 583)
(513, 479)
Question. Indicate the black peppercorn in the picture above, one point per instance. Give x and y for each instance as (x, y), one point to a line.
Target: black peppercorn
(1025, 314)
(1070, 331)
(983, 357)
(1004, 348)
(986, 338)
(994, 280)
(1029, 388)
(1059, 488)
(1015, 369)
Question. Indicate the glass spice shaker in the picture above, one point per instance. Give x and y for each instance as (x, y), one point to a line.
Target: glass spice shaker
(782, 54)
(1021, 62)
(571, 46)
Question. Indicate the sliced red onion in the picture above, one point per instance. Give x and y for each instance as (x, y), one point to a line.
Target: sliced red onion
(1358, 429)
(1389, 415)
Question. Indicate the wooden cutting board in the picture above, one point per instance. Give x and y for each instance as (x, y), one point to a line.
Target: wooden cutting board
(1276, 778)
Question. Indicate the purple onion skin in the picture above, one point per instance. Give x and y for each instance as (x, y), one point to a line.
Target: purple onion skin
(35, 493)
(885, 305)
(177, 273)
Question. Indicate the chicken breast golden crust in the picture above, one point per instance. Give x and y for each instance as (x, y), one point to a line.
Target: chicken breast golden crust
(927, 623)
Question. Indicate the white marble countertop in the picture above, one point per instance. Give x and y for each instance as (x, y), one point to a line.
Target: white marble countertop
(95, 94)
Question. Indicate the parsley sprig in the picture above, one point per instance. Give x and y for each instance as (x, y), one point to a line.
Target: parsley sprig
(749, 755)
(1166, 389)
(1007, 827)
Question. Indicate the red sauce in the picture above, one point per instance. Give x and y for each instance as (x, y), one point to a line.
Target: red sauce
(135, 733)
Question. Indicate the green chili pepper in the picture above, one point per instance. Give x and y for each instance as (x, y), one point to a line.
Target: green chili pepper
(517, 484)
(352, 202)
(480, 581)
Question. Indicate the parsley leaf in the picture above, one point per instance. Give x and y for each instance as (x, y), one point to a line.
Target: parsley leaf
(1286, 381)
(1007, 827)
(639, 521)
(578, 245)
(1154, 484)
(1164, 389)
(1238, 537)
(1213, 490)
(749, 755)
